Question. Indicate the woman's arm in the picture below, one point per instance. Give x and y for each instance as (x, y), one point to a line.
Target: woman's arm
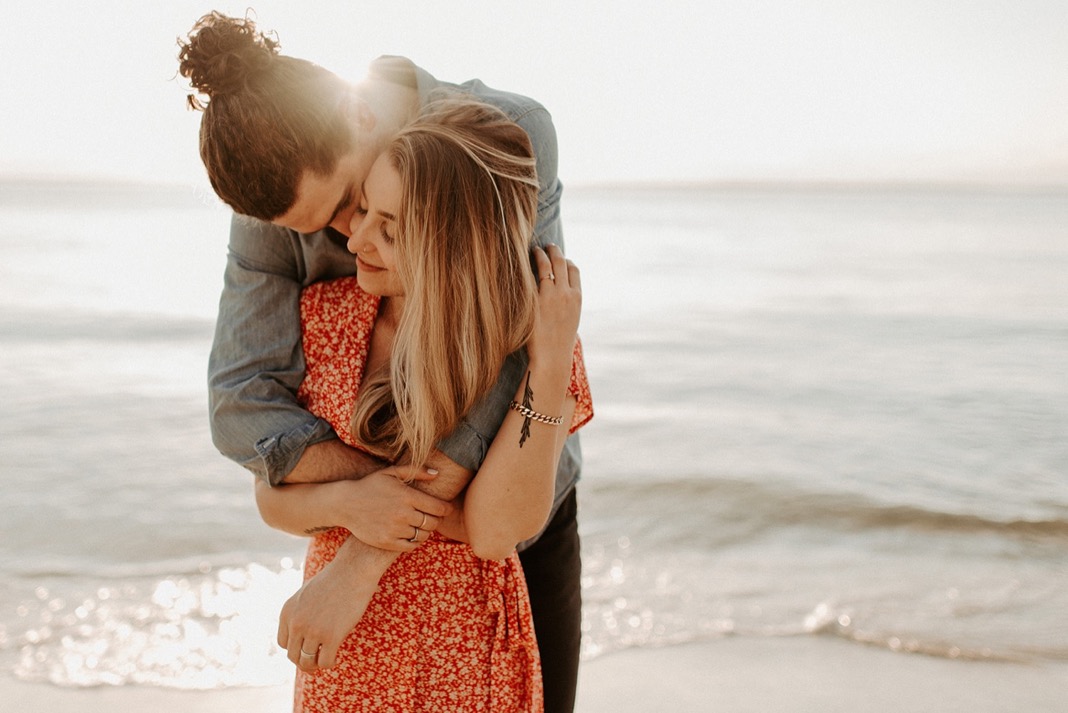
(511, 496)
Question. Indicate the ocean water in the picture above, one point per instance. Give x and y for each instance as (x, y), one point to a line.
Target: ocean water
(835, 413)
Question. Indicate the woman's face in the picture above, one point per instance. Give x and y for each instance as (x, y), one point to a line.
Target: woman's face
(373, 229)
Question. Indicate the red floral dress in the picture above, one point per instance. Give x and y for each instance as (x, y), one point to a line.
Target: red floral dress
(446, 631)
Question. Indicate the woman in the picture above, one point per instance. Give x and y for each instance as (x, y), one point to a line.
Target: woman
(441, 236)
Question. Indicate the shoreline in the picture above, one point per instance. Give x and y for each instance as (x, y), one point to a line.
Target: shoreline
(800, 675)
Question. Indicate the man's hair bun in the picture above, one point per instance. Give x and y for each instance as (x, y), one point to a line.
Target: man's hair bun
(224, 54)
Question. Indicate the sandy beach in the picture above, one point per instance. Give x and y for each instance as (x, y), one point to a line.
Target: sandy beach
(736, 675)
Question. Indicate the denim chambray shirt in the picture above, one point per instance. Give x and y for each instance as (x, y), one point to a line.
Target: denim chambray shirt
(256, 359)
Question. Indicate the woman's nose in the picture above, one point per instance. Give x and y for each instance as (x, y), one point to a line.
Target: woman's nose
(355, 240)
(354, 244)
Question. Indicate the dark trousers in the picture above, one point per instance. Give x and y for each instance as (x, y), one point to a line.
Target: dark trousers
(553, 570)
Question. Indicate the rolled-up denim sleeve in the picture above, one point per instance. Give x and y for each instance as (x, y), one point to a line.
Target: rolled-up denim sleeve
(470, 442)
(257, 362)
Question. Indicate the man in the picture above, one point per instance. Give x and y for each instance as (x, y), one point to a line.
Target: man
(290, 144)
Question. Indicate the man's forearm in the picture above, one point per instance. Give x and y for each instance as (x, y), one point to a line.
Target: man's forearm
(332, 460)
(451, 477)
(329, 461)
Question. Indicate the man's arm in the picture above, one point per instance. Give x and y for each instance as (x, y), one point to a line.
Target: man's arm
(257, 363)
(332, 460)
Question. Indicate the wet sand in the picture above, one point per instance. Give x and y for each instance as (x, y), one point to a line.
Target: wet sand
(738, 675)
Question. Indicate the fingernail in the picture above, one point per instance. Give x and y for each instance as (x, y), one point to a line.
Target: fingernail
(432, 471)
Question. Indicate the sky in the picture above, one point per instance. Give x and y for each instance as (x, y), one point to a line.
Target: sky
(959, 91)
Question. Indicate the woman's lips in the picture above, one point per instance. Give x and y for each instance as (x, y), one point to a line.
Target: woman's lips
(361, 265)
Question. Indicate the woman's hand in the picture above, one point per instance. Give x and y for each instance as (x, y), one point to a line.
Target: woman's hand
(315, 621)
(559, 306)
(389, 514)
(383, 509)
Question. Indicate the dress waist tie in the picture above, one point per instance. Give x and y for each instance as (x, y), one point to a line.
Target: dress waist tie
(514, 635)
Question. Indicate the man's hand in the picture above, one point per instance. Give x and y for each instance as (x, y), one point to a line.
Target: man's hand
(315, 621)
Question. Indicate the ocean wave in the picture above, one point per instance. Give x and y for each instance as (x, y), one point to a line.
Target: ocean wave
(826, 620)
(946, 649)
(617, 631)
(744, 508)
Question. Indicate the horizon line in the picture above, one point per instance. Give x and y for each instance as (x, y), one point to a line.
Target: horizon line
(683, 184)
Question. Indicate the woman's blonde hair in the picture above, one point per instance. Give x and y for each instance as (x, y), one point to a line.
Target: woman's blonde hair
(464, 229)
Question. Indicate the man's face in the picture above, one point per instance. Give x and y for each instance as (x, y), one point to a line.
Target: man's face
(324, 201)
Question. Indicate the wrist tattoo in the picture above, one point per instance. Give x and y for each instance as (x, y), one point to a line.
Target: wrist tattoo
(528, 397)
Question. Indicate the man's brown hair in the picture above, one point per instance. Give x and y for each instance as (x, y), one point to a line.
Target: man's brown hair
(267, 117)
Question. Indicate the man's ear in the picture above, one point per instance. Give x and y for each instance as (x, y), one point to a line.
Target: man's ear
(358, 112)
